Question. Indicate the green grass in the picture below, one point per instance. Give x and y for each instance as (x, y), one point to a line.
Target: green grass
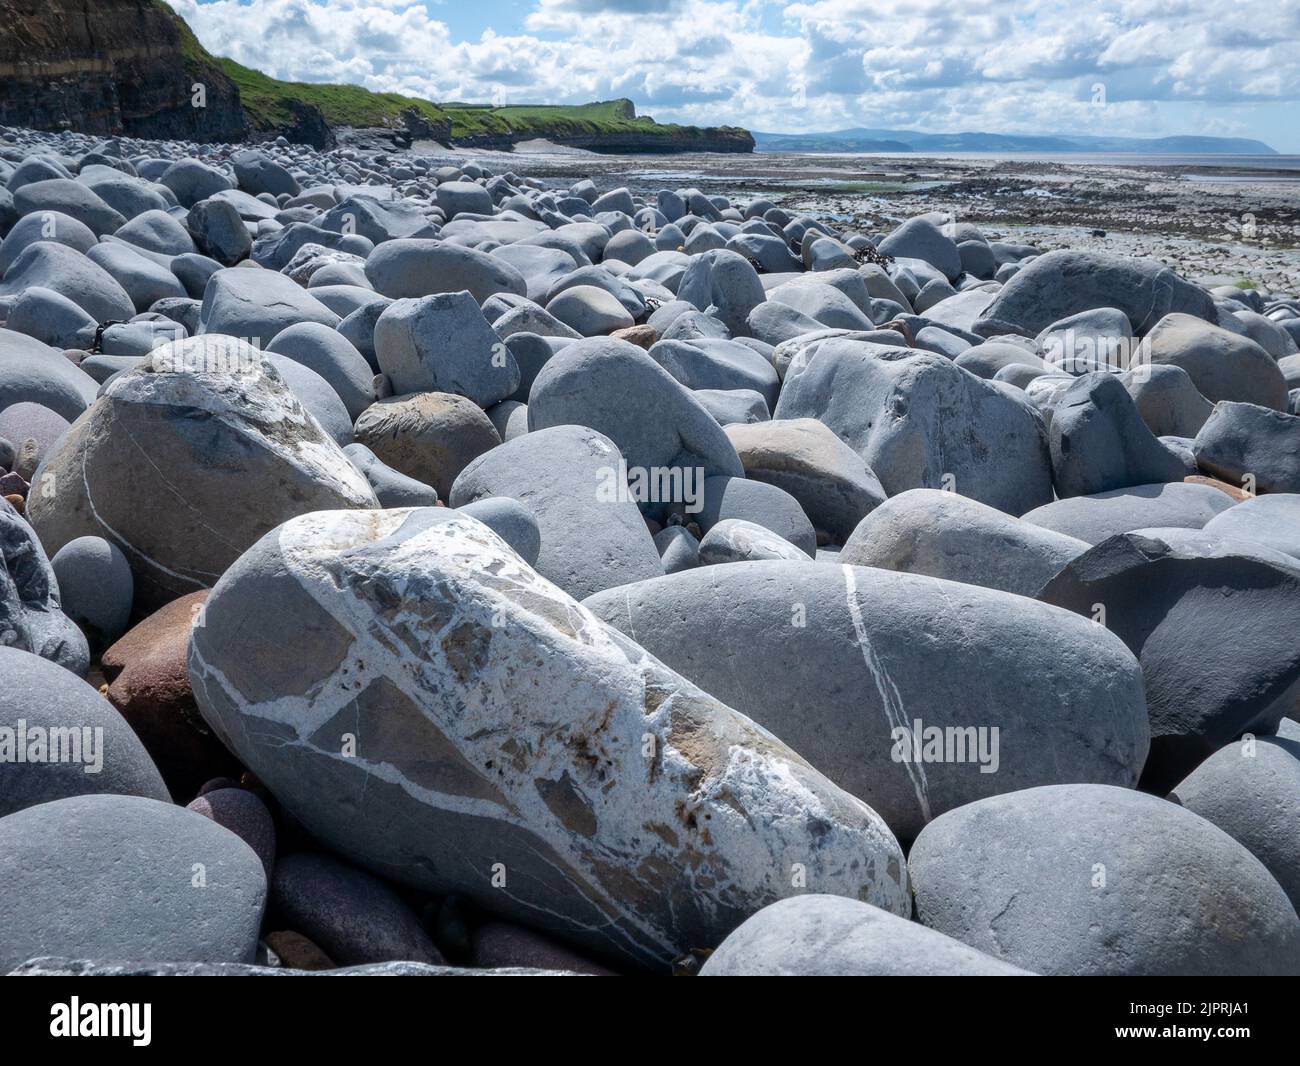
(267, 101)
(1244, 283)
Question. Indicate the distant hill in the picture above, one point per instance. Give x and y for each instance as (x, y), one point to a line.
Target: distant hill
(875, 140)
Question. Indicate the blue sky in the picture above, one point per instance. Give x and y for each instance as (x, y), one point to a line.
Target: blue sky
(1107, 67)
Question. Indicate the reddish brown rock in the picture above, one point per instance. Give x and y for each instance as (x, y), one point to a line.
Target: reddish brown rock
(1238, 494)
(642, 336)
(497, 944)
(150, 686)
(296, 952)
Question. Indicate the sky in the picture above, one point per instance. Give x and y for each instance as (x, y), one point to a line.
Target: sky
(1142, 68)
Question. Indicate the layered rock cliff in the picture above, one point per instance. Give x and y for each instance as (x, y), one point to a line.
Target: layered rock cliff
(111, 66)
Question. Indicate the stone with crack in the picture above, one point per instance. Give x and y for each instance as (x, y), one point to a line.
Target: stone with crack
(856, 668)
(508, 746)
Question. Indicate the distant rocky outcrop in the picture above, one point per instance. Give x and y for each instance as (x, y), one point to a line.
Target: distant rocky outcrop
(112, 66)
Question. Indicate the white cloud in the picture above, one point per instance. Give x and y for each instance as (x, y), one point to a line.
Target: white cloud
(1170, 66)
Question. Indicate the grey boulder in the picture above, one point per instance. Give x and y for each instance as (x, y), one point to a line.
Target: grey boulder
(1076, 879)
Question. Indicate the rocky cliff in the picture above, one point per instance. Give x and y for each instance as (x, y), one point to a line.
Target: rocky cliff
(111, 66)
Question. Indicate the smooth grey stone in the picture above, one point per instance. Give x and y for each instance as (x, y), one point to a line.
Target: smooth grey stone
(113, 877)
(1272, 520)
(828, 657)
(343, 300)
(71, 198)
(540, 267)
(921, 422)
(941, 342)
(769, 251)
(257, 305)
(95, 588)
(1268, 334)
(194, 272)
(257, 172)
(276, 250)
(1099, 441)
(351, 915)
(1251, 790)
(53, 227)
(919, 238)
(250, 462)
(358, 328)
(1222, 365)
(831, 482)
(831, 936)
(325, 351)
(775, 322)
(531, 352)
(977, 259)
(463, 197)
(732, 406)
(678, 549)
(1063, 283)
(1098, 339)
(723, 280)
(145, 282)
(763, 504)
(589, 542)
(241, 812)
(511, 521)
(66, 271)
(392, 487)
(942, 534)
(631, 298)
(1167, 400)
(717, 364)
(1191, 606)
(51, 318)
(1020, 877)
(823, 303)
(442, 343)
(691, 325)
(411, 267)
(530, 318)
(589, 311)
(734, 540)
(377, 222)
(48, 698)
(192, 180)
(316, 395)
(1095, 518)
(510, 417)
(1020, 374)
(1242, 441)
(603, 384)
(219, 231)
(36, 373)
(987, 359)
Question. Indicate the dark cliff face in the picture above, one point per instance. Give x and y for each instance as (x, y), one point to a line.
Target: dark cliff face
(111, 66)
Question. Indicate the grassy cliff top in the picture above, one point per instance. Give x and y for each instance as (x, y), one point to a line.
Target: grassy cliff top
(267, 101)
